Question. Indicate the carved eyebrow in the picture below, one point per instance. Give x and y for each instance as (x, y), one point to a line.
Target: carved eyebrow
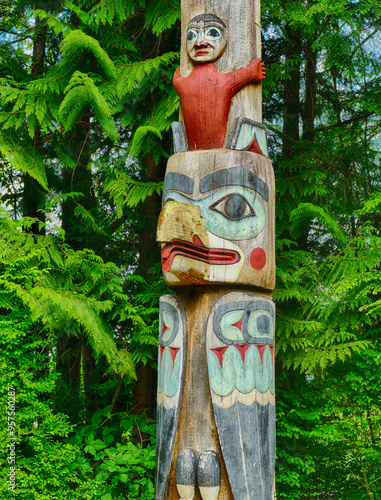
(235, 176)
(208, 18)
(214, 25)
(179, 182)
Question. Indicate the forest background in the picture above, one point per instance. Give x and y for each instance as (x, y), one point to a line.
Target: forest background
(86, 103)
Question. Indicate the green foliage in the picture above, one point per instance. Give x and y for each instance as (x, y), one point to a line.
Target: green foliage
(82, 93)
(89, 122)
(48, 279)
(126, 191)
(109, 464)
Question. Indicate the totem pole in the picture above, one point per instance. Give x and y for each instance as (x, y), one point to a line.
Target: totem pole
(216, 402)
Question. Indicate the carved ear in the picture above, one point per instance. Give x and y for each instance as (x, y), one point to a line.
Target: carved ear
(179, 139)
(248, 135)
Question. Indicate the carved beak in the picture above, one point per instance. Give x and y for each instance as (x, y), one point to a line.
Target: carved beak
(181, 221)
(182, 233)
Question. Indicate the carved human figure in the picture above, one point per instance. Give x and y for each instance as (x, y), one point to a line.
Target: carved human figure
(206, 93)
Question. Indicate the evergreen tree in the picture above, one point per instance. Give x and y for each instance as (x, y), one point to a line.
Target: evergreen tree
(86, 103)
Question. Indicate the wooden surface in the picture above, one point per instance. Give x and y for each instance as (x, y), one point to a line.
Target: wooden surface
(171, 359)
(206, 98)
(197, 427)
(217, 235)
(191, 212)
(244, 45)
(240, 350)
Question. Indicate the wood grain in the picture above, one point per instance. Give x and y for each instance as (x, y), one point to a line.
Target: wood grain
(196, 425)
(196, 428)
(245, 421)
(244, 44)
(217, 233)
(211, 171)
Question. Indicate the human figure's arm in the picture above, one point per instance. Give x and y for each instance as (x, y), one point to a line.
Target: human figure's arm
(177, 79)
(254, 73)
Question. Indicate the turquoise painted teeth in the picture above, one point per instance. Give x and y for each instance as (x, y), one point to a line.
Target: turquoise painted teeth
(253, 373)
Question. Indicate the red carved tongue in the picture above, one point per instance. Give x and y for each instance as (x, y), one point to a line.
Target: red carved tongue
(198, 251)
(197, 241)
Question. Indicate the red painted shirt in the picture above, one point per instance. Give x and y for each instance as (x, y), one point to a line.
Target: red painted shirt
(205, 97)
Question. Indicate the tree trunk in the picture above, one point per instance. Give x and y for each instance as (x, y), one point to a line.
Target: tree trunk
(68, 364)
(78, 236)
(291, 95)
(34, 195)
(309, 106)
(145, 384)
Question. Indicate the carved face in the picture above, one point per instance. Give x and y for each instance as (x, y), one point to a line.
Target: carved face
(206, 37)
(216, 224)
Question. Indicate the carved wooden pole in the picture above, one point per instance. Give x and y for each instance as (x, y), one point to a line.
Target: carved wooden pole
(216, 401)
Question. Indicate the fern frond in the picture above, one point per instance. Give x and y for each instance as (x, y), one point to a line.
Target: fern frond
(54, 24)
(22, 156)
(80, 94)
(161, 15)
(307, 211)
(140, 138)
(77, 42)
(130, 75)
(81, 212)
(126, 191)
(123, 364)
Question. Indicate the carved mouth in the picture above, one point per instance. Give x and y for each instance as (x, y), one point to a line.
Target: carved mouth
(197, 251)
(202, 52)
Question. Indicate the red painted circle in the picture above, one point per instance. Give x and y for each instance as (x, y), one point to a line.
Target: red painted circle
(258, 258)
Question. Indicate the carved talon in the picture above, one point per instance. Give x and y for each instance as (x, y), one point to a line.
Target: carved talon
(209, 475)
(186, 464)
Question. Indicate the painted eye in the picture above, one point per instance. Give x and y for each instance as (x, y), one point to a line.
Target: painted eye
(233, 207)
(264, 324)
(212, 33)
(192, 34)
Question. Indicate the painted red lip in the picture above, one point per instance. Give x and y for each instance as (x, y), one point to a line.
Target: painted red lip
(202, 52)
(197, 251)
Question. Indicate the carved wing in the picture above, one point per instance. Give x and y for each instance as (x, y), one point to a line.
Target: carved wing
(240, 354)
(170, 378)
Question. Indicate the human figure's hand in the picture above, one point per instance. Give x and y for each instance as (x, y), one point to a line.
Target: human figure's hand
(258, 70)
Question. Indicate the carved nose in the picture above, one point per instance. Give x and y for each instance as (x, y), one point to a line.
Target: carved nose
(201, 43)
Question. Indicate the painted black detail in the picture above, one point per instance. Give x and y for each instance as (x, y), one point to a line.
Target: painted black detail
(208, 469)
(223, 210)
(169, 308)
(165, 440)
(250, 467)
(235, 176)
(257, 306)
(178, 182)
(263, 324)
(235, 206)
(179, 139)
(236, 130)
(186, 467)
(248, 307)
(207, 18)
